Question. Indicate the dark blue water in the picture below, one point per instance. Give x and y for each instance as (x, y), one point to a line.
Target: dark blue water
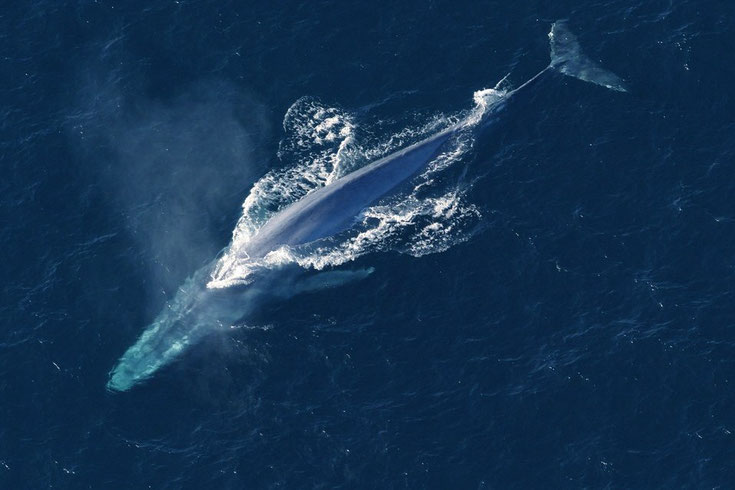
(583, 335)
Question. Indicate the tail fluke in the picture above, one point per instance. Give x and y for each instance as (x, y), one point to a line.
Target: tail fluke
(567, 58)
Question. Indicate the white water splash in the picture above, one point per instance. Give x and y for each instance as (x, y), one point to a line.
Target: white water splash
(321, 146)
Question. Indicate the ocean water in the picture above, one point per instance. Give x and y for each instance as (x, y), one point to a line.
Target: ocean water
(548, 305)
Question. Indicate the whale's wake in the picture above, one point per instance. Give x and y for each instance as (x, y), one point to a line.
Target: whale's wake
(327, 143)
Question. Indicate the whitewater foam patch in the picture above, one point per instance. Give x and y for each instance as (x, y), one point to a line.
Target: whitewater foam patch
(322, 144)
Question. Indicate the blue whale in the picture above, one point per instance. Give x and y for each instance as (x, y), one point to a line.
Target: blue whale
(322, 213)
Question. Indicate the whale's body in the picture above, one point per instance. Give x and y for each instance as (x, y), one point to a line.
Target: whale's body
(332, 208)
(321, 213)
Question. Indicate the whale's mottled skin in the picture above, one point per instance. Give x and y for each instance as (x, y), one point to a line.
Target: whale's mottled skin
(321, 213)
(331, 209)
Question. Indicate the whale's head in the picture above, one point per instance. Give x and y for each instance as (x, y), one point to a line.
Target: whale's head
(194, 312)
(197, 311)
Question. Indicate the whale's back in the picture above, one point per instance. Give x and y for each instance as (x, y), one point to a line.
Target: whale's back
(333, 208)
